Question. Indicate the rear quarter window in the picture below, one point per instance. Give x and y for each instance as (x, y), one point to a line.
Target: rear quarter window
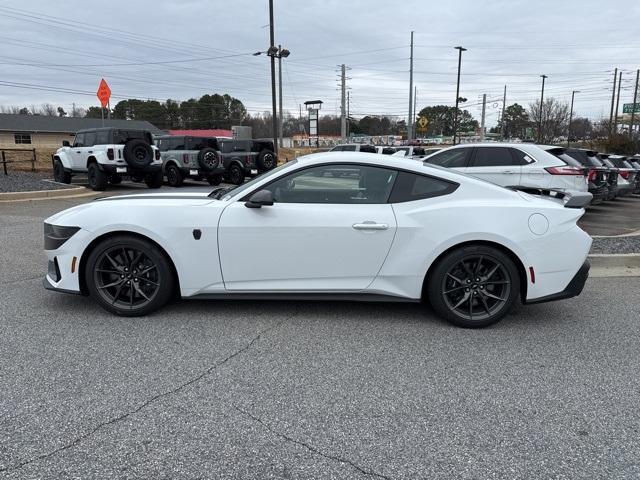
(412, 186)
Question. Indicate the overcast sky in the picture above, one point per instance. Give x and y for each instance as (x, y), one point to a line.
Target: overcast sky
(182, 49)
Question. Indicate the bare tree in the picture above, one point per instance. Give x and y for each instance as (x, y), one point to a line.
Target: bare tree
(48, 110)
(555, 117)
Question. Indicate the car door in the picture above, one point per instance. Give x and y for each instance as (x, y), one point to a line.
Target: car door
(496, 165)
(75, 152)
(329, 229)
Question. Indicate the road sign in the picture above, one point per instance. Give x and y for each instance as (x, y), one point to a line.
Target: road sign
(103, 93)
(628, 108)
(423, 122)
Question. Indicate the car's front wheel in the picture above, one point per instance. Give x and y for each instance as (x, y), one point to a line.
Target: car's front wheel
(129, 276)
(153, 180)
(214, 179)
(59, 173)
(474, 286)
(174, 175)
(236, 174)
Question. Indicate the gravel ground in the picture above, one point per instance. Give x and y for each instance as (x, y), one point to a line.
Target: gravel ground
(616, 245)
(18, 181)
(307, 389)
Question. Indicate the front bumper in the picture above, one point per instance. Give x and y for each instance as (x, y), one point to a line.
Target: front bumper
(572, 290)
(48, 285)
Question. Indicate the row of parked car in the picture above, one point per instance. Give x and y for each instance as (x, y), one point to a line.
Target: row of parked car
(540, 167)
(106, 155)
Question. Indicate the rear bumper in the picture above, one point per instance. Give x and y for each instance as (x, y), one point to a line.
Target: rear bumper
(573, 289)
(199, 172)
(113, 169)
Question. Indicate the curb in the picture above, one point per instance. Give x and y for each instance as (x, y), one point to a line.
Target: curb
(45, 194)
(615, 265)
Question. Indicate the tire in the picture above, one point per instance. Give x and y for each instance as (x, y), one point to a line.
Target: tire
(59, 174)
(115, 179)
(473, 286)
(97, 179)
(125, 258)
(266, 160)
(174, 175)
(236, 174)
(214, 180)
(208, 159)
(154, 180)
(137, 153)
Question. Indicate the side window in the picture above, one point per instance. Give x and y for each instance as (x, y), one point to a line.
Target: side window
(177, 143)
(102, 137)
(493, 157)
(89, 139)
(348, 148)
(521, 158)
(341, 184)
(412, 186)
(226, 147)
(241, 146)
(454, 158)
(79, 140)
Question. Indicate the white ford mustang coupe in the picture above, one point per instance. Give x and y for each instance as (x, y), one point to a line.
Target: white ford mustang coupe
(338, 226)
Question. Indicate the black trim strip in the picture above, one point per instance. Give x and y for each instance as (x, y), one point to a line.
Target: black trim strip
(349, 297)
(158, 197)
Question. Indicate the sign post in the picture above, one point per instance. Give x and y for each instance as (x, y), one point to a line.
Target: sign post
(103, 94)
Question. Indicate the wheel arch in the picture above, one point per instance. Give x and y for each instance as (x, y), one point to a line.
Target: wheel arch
(171, 161)
(92, 245)
(91, 159)
(522, 272)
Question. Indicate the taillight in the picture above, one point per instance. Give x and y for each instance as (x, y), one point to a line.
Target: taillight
(157, 154)
(185, 158)
(624, 175)
(593, 174)
(110, 155)
(566, 170)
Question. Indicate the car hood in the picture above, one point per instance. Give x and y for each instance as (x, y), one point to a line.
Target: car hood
(110, 208)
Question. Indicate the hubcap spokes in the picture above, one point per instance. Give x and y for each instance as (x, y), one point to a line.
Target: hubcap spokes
(477, 287)
(126, 277)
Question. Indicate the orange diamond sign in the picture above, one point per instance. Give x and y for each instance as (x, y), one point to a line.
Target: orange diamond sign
(104, 93)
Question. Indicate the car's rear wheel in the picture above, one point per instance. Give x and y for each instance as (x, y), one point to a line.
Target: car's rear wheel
(97, 178)
(174, 176)
(59, 174)
(236, 174)
(474, 286)
(129, 276)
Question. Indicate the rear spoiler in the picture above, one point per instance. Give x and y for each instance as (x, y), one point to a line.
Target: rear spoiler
(570, 200)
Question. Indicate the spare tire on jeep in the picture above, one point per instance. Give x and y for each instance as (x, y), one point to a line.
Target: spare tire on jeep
(266, 160)
(208, 159)
(138, 153)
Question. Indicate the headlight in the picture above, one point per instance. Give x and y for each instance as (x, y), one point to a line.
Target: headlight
(56, 235)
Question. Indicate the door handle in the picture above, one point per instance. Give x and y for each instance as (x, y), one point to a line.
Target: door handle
(507, 171)
(370, 226)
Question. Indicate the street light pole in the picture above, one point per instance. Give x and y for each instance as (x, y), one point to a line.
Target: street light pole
(455, 113)
(544, 77)
(573, 94)
(274, 113)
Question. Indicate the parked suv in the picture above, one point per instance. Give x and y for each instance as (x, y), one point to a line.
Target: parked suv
(246, 158)
(108, 154)
(511, 165)
(190, 157)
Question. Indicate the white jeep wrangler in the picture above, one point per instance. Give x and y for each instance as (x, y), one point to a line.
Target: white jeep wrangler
(108, 154)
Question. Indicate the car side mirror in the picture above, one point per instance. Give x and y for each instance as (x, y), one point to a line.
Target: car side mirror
(65, 143)
(259, 199)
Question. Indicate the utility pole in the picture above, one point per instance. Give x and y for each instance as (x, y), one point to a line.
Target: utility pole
(504, 107)
(343, 107)
(544, 77)
(484, 111)
(613, 101)
(415, 111)
(274, 111)
(455, 113)
(348, 114)
(633, 109)
(410, 119)
(573, 94)
(280, 95)
(615, 120)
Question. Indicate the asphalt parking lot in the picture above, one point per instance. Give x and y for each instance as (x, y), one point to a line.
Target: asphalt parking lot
(309, 389)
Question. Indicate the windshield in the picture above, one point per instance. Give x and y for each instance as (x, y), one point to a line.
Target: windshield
(226, 193)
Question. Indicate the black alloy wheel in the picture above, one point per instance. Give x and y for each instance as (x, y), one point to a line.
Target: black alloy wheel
(129, 276)
(236, 174)
(474, 286)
